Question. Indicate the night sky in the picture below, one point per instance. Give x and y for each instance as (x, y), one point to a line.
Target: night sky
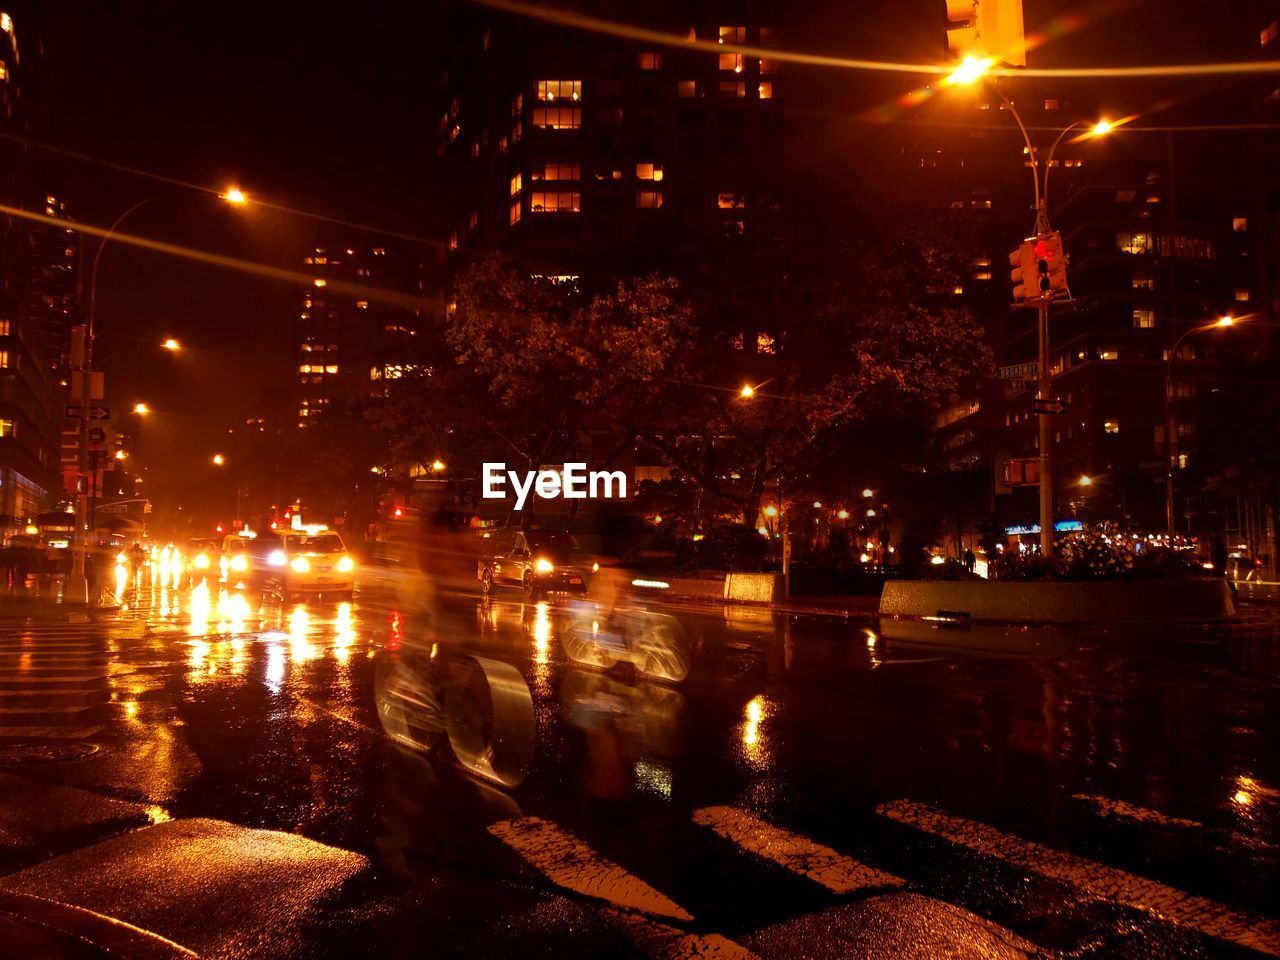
(331, 108)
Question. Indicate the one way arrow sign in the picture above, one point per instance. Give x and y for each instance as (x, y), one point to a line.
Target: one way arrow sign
(1049, 408)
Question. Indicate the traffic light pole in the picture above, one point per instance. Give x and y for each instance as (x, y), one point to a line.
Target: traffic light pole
(1046, 444)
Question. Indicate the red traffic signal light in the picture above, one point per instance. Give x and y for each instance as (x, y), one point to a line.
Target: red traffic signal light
(1051, 264)
(398, 512)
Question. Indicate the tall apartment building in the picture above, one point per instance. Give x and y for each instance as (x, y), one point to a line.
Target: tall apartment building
(346, 342)
(37, 279)
(565, 148)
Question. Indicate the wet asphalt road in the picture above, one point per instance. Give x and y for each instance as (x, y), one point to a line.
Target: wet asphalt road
(508, 778)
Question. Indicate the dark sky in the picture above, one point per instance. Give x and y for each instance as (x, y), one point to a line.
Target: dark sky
(331, 108)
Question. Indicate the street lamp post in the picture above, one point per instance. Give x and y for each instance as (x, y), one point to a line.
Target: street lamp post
(1043, 379)
(77, 584)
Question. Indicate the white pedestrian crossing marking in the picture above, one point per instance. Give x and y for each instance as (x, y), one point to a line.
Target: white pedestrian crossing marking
(821, 864)
(1122, 810)
(635, 906)
(1095, 879)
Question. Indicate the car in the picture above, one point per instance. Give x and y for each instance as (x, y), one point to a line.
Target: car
(247, 562)
(313, 561)
(201, 555)
(537, 561)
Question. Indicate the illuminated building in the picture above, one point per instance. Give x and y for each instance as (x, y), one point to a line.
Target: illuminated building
(348, 340)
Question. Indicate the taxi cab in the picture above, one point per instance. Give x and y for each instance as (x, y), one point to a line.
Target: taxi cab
(314, 561)
(245, 561)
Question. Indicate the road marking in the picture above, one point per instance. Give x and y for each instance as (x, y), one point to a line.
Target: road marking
(799, 854)
(1094, 879)
(1123, 810)
(657, 939)
(568, 862)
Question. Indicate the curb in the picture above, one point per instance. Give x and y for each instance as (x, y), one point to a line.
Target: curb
(81, 927)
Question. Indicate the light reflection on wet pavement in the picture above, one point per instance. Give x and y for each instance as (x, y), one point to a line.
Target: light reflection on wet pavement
(960, 761)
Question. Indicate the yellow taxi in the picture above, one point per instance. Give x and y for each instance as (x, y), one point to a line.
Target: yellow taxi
(314, 560)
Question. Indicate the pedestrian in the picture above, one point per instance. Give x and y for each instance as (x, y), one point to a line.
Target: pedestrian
(970, 561)
(1219, 558)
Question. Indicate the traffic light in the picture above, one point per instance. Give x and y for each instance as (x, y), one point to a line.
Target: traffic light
(1051, 265)
(987, 28)
(1023, 261)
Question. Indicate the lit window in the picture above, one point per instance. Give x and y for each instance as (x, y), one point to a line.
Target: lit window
(556, 171)
(729, 88)
(514, 213)
(1051, 104)
(1135, 243)
(453, 241)
(1143, 280)
(362, 304)
(555, 118)
(331, 368)
(4, 70)
(6, 428)
(1110, 426)
(1144, 318)
(1240, 224)
(4, 328)
(768, 67)
(730, 201)
(515, 184)
(733, 34)
(1108, 353)
(649, 60)
(731, 61)
(649, 171)
(766, 90)
(649, 199)
(559, 90)
(1269, 33)
(687, 88)
(764, 343)
(304, 368)
(1125, 196)
(4, 359)
(555, 201)
(1242, 295)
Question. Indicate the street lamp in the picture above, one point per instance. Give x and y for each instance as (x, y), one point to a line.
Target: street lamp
(1170, 422)
(970, 70)
(77, 584)
(1086, 480)
(219, 459)
(172, 345)
(1097, 128)
(747, 391)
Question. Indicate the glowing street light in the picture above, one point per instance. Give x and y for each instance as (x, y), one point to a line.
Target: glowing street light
(747, 391)
(771, 511)
(437, 465)
(219, 459)
(319, 281)
(141, 409)
(121, 455)
(1226, 321)
(1086, 480)
(1102, 128)
(970, 70)
(868, 493)
(172, 345)
(234, 195)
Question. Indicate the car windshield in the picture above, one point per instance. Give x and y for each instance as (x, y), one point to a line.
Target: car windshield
(322, 543)
(559, 547)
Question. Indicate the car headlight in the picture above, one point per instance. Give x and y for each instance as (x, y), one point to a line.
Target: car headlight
(201, 562)
(346, 565)
(543, 565)
(276, 559)
(595, 568)
(299, 565)
(239, 564)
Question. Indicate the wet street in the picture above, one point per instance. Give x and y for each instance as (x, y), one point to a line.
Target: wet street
(499, 777)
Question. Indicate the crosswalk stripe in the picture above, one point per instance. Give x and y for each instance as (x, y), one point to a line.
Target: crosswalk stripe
(658, 940)
(1123, 810)
(821, 864)
(1095, 879)
(568, 862)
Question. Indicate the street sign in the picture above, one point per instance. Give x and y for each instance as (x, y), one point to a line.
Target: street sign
(75, 411)
(1048, 408)
(97, 437)
(1020, 371)
(1021, 386)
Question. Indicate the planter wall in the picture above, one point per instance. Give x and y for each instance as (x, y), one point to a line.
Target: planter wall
(1059, 602)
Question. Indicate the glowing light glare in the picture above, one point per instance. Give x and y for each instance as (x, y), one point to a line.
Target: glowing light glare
(234, 195)
(219, 459)
(868, 492)
(141, 409)
(299, 565)
(541, 633)
(1086, 481)
(346, 565)
(1102, 128)
(842, 514)
(121, 455)
(319, 282)
(771, 511)
(747, 391)
(172, 345)
(543, 565)
(970, 70)
(937, 560)
(437, 465)
(1226, 321)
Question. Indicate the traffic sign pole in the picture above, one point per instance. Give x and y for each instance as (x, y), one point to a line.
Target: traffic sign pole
(1046, 463)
